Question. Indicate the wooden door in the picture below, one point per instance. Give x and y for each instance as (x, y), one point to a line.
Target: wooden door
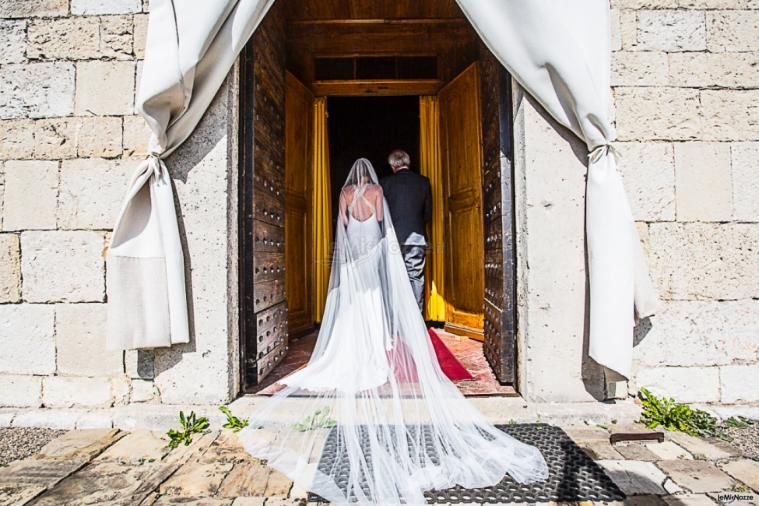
(298, 264)
(498, 198)
(461, 147)
(263, 306)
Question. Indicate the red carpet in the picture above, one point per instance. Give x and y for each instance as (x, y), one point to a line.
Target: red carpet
(448, 362)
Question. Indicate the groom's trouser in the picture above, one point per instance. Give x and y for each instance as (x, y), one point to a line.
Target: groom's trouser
(413, 256)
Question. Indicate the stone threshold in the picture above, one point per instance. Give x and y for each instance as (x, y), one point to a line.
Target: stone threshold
(165, 416)
(497, 409)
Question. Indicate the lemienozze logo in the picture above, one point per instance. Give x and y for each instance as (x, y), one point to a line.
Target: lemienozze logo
(727, 498)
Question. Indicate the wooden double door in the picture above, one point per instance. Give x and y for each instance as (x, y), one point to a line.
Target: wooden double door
(276, 264)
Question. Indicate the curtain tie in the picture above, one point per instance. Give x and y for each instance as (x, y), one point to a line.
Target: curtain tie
(600, 151)
(155, 164)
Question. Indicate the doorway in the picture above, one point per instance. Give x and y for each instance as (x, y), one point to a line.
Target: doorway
(368, 74)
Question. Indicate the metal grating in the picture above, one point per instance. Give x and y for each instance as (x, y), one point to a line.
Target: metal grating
(573, 476)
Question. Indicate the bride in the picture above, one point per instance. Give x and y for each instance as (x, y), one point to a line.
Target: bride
(372, 397)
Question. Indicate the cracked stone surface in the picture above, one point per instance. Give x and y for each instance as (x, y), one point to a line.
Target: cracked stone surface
(698, 476)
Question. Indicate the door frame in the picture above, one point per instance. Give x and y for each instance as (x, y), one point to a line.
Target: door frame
(499, 299)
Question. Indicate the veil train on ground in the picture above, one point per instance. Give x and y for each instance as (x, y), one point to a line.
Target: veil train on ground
(396, 424)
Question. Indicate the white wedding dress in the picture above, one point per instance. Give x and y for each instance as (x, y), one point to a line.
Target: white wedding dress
(399, 425)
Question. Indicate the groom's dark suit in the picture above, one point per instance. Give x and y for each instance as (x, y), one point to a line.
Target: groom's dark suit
(409, 198)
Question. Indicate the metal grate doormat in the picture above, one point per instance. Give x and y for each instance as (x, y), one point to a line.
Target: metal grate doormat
(573, 476)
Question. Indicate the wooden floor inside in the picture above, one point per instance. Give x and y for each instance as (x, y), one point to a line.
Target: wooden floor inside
(468, 351)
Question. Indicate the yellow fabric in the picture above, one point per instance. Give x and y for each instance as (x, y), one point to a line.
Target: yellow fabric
(322, 211)
(430, 165)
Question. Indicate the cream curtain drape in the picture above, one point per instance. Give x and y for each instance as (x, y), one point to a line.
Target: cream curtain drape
(558, 51)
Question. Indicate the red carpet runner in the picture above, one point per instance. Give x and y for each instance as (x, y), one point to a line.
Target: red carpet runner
(448, 362)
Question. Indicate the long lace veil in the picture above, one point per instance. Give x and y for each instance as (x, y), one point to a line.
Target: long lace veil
(372, 397)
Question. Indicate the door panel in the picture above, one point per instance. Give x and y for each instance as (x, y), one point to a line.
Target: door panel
(500, 281)
(298, 272)
(461, 146)
(263, 308)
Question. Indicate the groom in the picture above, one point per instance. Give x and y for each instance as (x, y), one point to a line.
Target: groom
(409, 198)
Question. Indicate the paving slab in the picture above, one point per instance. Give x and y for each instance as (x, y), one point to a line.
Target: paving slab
(108, 483)
(80, 444)
(227, 448)
(636, 451)
(166, 500)
(245, 479)
(704, 449)
(668, 450)
(689, 500)
(634, 477)
(587, 434)
(44, 473)
(249, 501)
(277, 485)
(139, 446)
(744, 470)
(19, 494)
(698, 476)
(196, 479)
(600, 450)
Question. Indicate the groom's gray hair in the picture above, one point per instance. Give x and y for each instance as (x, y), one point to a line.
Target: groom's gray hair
(398, 158)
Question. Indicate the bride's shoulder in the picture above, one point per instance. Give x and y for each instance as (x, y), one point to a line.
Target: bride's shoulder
(374, 188)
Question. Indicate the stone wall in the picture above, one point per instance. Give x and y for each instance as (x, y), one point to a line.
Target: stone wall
(684, 79)
(69, 141)
(684, 74)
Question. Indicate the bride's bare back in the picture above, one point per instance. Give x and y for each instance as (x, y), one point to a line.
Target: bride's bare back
(361, 202)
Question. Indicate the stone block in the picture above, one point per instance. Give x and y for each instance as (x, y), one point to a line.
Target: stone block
(97, 419)
(730, 115)
(23, 179)
(645, 68)
(685, 384)
(26, 331)
(729, 70)
(704, 260)
(139, 364)
(36, 90)
(667, 450)
(70, 38)
(13, 35)
(745, 177)
(82, 208)
(698, 476)
(63, 266)
(702, 333)
(98, 136)
(116, 35)
(90, 7)
(104, 87)
(688, 500)
(744, 470)
(704, 189)
(648, 170)
(80, 341)
(62, 419)
(651, 113)
(739, 383)
(32, 8)
(69, 391)
(671, 30)
(20, 391)
(10, 268)
(732, 30)
(16, 139)
(143, 391)
(140, 34)
(55, 138)
(246, 479)
(136, 136)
